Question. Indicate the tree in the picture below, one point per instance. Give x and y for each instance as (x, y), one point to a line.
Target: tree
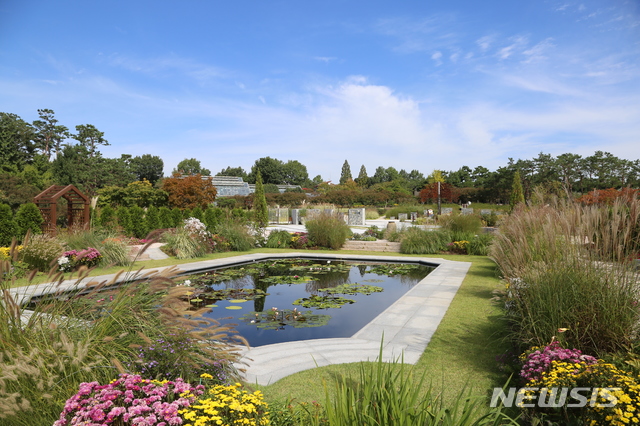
(345, 175)
(166, 218)
(107, 217)
(16, 142)
(49, 134)
(517, 194)
(362, 179)
(261, 210)
(233, 171)
(16, 190)
(149, 167)
(430, 193)
(90, 137)
(8, 227)
(436, 176)
(187, 192)
(152, 219)
(294, 173)
(271, 169)
(29, 218)
(189, 167)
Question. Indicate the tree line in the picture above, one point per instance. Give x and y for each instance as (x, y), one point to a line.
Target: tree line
(34, 155)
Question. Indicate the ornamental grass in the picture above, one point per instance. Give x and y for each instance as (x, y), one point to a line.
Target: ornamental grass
(48, 351)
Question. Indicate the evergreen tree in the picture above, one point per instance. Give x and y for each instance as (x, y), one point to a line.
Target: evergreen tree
(166, 218)
(8, 227)
(362, 179)
(107, 216)
(261, 211)
(517, 193)
(124, 220)
(152, 219)
(197, 213)
(27, 218)
(212, 217)
(346, 173)
(176, 214)
(138, 224)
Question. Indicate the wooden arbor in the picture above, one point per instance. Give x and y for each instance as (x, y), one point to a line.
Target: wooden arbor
(77, 208)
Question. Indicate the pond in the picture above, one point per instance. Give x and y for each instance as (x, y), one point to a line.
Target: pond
(288, 300)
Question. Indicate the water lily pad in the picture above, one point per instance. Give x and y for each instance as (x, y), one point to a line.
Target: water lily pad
(234, 307)
(238, 300)
(211, 306)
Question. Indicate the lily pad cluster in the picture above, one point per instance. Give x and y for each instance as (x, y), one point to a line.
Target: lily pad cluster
(394, 269)
(274, 319)
(354, 288)
(323, 302)
(287, 279)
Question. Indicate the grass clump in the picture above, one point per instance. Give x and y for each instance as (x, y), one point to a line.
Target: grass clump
(112, 247)
(327, 230)
(419, 241)
(278, 239)
(41, 251)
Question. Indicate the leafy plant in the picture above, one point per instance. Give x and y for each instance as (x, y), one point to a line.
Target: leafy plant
(29, 219)
(236, 233)
(279, 239)
(327, 230)
(419, 241)
(322, 302)
(41, 251)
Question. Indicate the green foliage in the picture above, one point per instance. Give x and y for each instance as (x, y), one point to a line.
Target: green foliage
(271, 188)
(148, 167)
(236, 233)
(461, 223)
(177, 218)
(138, 193)
(183, 245)
(479, 244)
(123, 218)
(138, 225)
(106, 217)
(389, 393)
(197, 213)
(278, 239)
(28, 218)
(418, 241)
(345, 174)
(327, 230)
(517, 193)
(41, 252)
(190, 167)
(165, 217)
(8, 227)
(152, 219)
(261, 211)
(212, 217)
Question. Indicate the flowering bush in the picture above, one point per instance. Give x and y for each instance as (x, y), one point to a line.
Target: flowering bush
(129, 400)
(300, 240)
(72, 259)
(228, 405)
(41, 251)
(536, 361)
(5, 252)
(459, 246)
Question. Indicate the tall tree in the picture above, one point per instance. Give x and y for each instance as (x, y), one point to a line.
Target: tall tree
(260, 207)
(16, 142)
(517, 193)
(362, 179)
(49, 134)
(345, 175)
(190, 167)
(90, 137)
(294, 173)
(147, 166)
(188, 192)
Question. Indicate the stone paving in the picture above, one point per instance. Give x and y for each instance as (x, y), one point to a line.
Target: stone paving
(404, 329)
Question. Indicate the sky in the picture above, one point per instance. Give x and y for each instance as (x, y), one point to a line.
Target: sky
(411, 84)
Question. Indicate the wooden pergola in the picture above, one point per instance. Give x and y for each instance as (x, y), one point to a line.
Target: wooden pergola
(77, 208)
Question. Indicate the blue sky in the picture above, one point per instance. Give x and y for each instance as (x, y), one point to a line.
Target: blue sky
(411, 84)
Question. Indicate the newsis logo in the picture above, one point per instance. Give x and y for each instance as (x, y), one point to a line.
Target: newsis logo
(555, 397)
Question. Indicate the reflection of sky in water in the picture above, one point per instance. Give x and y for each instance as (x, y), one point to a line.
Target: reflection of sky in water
(344, 322)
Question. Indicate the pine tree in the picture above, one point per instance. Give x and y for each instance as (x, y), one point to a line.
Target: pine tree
(166, 218)
(346, 173)
(261, 211)
(517, 193)
(152, 219)
(106, 217)
(8, 227)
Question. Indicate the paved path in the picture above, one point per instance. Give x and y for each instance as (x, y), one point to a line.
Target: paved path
(407, 325)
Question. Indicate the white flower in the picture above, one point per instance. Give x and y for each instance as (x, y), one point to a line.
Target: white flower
(63, 260)
(187, 282)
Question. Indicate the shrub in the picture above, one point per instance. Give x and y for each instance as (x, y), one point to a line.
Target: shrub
(123, 218)
(107, 217)
(236, 233)
(152, 219)
(490, 219)
(327, 230)
(479, 245)
(8, 227)
(212, 217)
(41, 251)
(371, 214)
(165, 218)
(182, 244)
(28, 218)
(461, 223)
(138, 225)
(197, 213)
(418, 241)
(279, 239)
(177, 218)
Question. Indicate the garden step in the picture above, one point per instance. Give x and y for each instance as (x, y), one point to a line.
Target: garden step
(380, 245)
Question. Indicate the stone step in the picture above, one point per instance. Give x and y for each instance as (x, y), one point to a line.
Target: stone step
(380, 245)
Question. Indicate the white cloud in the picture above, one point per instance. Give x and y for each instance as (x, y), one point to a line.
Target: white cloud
(437, 57)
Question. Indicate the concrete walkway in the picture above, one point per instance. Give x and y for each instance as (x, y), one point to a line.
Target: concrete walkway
(407, 325)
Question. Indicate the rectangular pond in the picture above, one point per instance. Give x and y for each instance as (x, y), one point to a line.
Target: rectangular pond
(299, 299)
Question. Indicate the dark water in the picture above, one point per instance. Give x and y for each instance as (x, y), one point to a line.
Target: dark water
(342, 322)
